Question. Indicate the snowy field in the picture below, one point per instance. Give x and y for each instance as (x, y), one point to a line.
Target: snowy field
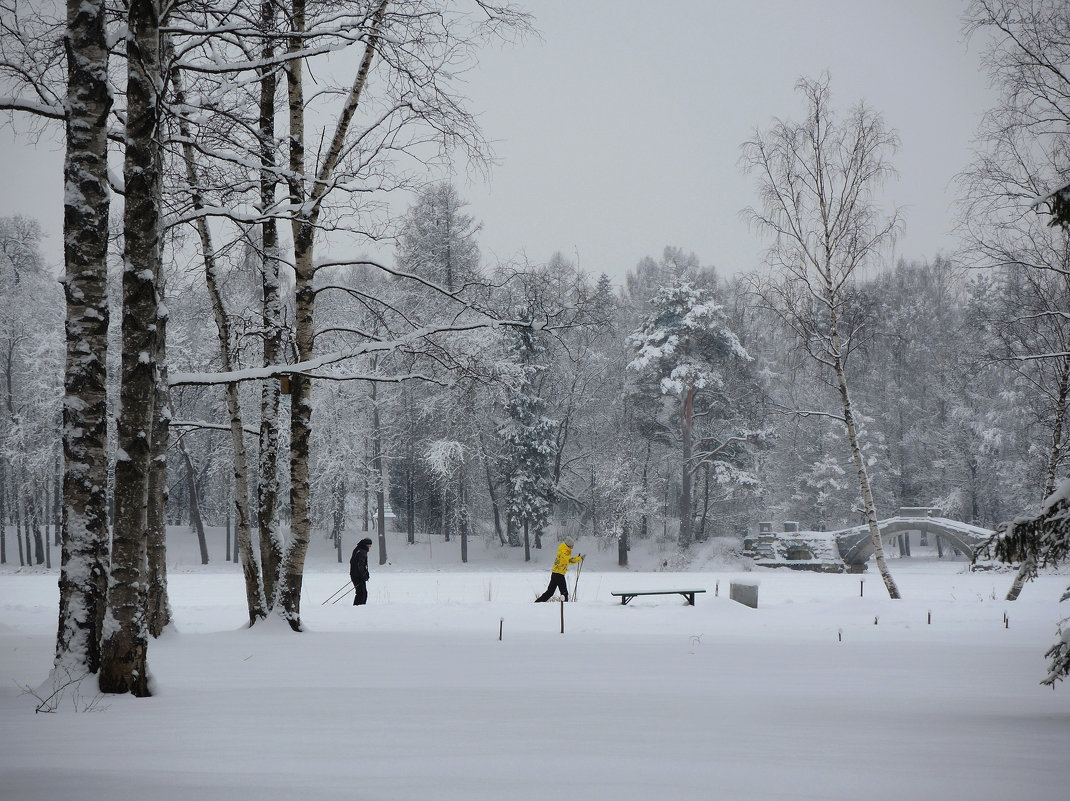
(415, 697)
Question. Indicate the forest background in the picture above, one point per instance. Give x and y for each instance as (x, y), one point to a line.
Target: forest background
(202, 363)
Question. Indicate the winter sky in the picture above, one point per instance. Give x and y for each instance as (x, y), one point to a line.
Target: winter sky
(617, 129)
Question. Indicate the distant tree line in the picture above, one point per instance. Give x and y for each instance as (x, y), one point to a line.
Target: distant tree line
(214, 359)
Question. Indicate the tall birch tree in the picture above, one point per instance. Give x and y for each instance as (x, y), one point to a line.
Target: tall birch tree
(817, 181)
(86, 205)
(417, 46)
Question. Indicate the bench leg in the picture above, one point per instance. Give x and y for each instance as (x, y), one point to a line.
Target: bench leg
(690, 598)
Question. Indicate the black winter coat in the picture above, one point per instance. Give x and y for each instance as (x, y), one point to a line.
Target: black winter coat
(358, 565)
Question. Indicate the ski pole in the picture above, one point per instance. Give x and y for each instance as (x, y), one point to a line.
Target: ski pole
(344, 586)
(343, 595)
(579, 569)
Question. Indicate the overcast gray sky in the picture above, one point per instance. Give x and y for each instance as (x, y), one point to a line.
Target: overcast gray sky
(618, 131)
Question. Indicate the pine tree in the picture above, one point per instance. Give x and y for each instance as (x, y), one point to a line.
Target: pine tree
(1041, 541)
(529, 443)
(685, 344)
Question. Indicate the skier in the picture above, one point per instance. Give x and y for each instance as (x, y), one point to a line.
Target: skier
(557, 574)
(358, 571)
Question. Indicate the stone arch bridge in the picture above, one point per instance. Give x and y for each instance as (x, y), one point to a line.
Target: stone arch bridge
(851, 548)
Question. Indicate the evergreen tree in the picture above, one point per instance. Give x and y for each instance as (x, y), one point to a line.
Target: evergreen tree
(1041, 541)
(528, 437)
(686, 345)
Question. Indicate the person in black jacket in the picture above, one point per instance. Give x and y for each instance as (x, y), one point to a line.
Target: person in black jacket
(358, 571)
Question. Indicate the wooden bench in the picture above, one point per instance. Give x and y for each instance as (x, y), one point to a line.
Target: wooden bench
(688, 594)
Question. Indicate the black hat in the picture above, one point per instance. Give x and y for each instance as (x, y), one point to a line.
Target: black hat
(364, 543)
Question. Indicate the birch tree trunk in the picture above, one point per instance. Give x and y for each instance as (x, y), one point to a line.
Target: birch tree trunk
(293, 565)
(84, 519)
(817, 179)
(157, 604)
(254, 590)
(304, 228)
(267, 493)
(859, 459)
(124, 649)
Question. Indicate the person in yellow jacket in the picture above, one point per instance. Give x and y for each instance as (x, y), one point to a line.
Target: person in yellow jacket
(557, 574)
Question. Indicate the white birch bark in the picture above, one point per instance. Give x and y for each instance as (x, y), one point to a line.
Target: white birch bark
(157, 603)
(817, 183)
(84, 521)
(271, 545)
(254, 589)
(304, 228)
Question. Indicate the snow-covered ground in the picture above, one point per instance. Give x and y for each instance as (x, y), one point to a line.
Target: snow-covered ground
(817, 694)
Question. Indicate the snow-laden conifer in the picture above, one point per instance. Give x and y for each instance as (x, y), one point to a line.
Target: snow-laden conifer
(685, 344)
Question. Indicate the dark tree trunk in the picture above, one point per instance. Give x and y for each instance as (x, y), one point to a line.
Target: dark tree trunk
(410, 506)
(38, 539)
(124, 649)
(410, 468)
(644, 521)
(367, 496)
(46, 520)
(705, 502)
(47, 524)
(195, 519)
(18, 535)
(490, 492)
(3, 512)
(57, 501)
(687, 415)
(462, 514)
(380, 474)
(338, 516)
(447, 514)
